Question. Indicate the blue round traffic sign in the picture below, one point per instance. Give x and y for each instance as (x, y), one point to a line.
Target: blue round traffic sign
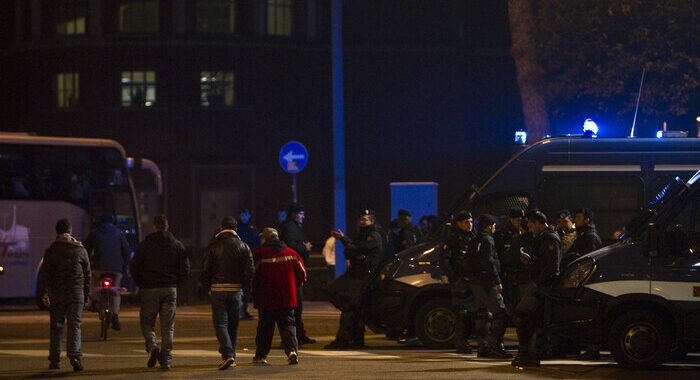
(293, 157)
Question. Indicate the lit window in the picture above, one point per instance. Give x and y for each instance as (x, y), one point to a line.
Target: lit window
(279, 17)
(67, 89)
(216, 88)
(215, 16)
(70, 17)
(138, 88)
(138, 16)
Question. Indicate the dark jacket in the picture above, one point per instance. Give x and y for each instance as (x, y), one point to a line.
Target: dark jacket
(249, 235)
(409, 236)
(587, 240)
(484, 264)
(160, 261)
(108, 248)
(367, 251)
(279, 271)
(514, 270)
(228, 263)
(546, 258)
(292, 234)
(454, 253)
(65, 269)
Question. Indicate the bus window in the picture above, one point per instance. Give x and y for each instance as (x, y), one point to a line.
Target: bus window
(615, 200)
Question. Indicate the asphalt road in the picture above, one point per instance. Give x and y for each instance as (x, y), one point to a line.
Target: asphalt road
(24, 350)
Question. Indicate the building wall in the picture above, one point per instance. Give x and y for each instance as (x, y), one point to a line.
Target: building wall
(430, 95)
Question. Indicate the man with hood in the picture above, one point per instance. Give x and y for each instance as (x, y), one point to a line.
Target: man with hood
(293, 235)
(347, 291)
(64, 283)
(159, 266)
(227, 269)
(110, 253)
(279, 272)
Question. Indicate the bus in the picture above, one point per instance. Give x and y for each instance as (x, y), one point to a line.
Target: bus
(43, 179)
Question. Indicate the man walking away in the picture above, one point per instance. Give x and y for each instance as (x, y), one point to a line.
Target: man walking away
(158, 267)
(293, 235)
(110, 253)
(226, 270)
(279, 272)
(64, 281)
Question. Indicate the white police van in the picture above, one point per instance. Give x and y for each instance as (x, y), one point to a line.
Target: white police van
(615, 177)
(640, 296)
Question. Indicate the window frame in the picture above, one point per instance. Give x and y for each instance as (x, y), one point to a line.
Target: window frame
(145, 84)
(227, 84)
(70, 8)
(144, 27)
(232, 9)
(277, 23)
(63, 93)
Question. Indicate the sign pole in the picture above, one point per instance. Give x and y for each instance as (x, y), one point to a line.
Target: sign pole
(338, 131)
(294, 186)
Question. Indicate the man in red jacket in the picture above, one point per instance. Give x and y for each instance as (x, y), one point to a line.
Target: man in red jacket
(279, 271)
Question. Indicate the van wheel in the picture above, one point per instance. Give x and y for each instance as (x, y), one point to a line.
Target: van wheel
(435, 323)
(639, 339)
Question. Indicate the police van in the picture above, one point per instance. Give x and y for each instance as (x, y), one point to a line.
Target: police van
(615, 177)
(640, 296)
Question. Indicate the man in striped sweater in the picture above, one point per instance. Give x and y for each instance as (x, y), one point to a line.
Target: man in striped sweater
(279, 271)
(227, 269)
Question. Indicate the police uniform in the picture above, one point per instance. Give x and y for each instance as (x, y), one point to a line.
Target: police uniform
(347, 292)
(453, 264)
(484, 279)
(544, 269)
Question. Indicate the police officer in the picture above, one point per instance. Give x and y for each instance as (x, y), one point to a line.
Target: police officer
(347, 291)
(452, 259)
(409, 235)
(567, 233)
(485, 284)
(543, 266)
(504, 237)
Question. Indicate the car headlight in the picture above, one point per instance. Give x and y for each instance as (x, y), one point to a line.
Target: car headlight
(576, 276)
(390, 269)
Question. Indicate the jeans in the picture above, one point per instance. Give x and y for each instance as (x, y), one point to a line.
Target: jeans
(66, 306)
(225, 308)
(266, 329)
(155, 301)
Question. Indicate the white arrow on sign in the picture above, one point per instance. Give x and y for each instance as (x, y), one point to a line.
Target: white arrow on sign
(293, 157)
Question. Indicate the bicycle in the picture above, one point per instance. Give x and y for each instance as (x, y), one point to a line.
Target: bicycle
(104, 299)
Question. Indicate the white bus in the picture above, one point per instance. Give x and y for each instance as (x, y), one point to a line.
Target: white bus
(43, 179)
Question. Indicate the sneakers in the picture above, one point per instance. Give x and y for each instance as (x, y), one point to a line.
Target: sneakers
(259, 361)
(305, 340)
(225, 363)
(77, 365)
(55, 366)
(115, 323)
(293, 358)
(153, 357)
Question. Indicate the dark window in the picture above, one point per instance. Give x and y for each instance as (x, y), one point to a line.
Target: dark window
(138, 16)
(216, 16)
(67, 89)
(138, 88)
(279, 18)
(216, 88)
(71, 16)
(498, 204)
(615, 200)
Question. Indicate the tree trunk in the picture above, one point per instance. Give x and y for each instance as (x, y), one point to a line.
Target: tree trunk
(522, 31)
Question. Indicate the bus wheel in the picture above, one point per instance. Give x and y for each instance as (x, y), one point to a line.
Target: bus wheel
(435, 323)
(639, 339)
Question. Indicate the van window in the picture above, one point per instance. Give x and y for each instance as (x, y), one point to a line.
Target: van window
(615, 200)
(498, 204)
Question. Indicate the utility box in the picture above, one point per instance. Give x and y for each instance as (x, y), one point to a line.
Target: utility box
(419, 198)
